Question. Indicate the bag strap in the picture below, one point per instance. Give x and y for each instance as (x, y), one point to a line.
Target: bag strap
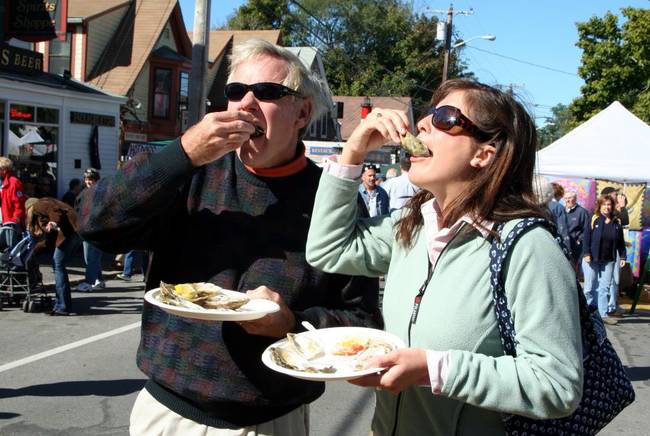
(499, 252)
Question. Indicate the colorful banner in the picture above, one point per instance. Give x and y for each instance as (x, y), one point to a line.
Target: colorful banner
(634, 193)
(645, 215)
(637, 244)
(584, 188)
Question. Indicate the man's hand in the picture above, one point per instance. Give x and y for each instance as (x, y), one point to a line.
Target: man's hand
(405, 367)
(216, 134)
(275, 325)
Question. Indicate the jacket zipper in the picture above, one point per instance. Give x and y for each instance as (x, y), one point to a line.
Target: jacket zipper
(414, 315)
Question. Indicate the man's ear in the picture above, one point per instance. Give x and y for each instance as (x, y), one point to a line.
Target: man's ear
(483, 156)
(304, 113)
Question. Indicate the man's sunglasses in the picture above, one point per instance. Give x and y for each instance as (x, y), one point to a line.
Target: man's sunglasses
(446, 117)
(267, 91)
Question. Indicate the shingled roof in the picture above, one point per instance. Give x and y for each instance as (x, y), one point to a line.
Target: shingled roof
(89, 8)
(133, 42)
(352, 109)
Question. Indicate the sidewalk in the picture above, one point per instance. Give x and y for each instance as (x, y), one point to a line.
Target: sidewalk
(76, 267)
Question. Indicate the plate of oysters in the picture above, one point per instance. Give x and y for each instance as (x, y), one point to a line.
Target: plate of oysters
(208, 301)
(336, 353)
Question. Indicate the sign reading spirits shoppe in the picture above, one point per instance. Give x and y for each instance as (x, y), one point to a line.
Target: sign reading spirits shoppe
(20, 60)
(94, 119)
(36, 20)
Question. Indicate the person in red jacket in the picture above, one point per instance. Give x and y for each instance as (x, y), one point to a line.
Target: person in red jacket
(13, 204)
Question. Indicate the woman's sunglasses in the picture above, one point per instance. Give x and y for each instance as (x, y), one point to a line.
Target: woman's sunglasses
(266, 91)
(446, 117)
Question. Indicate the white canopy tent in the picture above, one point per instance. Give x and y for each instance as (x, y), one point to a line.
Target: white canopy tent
(613, 144)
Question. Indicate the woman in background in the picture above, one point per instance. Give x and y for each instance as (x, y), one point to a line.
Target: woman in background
(603, 241)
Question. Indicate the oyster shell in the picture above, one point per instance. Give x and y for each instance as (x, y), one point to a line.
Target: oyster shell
(200, 296)
(374, 348)
(414, 146)
(307, 347)
(288, 357)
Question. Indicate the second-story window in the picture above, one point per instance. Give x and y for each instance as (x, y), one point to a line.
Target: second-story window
(162, 86)
(59, 59)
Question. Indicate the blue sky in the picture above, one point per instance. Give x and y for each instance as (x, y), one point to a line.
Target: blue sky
(541, 32)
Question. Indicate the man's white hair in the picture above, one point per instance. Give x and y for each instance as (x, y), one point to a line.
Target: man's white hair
(298, 77)
(571, 194)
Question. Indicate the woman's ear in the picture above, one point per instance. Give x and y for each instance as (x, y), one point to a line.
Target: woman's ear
(483, 156)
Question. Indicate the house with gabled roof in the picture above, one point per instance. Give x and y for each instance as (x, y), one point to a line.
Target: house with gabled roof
(134, 48)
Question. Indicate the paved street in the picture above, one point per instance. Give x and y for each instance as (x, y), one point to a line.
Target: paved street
(77, 376)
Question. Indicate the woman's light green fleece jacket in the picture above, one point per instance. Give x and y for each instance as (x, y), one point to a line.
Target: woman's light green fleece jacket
(457, 315)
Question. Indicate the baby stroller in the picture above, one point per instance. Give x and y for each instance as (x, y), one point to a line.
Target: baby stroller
(20, 277)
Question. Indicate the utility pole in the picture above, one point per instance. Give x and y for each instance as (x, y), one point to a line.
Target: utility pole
(448, 32)
(200, 46)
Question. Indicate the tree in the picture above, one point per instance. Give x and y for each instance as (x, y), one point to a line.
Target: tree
(369, 47)
(615, 64)
(556, 126)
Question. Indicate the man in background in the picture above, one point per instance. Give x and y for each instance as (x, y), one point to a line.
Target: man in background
(578, 219)
(74, 188)
(374, 196)
(400, 189)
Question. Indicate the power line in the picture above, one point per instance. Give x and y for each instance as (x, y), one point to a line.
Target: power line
(523, 62)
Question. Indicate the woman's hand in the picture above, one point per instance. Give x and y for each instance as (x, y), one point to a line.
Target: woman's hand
(623, 262)
(588, 258)
(405, 367)
(378, 128)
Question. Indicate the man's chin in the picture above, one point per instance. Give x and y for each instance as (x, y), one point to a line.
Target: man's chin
(250, 156)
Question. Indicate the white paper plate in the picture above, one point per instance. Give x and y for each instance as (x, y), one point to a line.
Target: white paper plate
(254, 309)
(329, 337)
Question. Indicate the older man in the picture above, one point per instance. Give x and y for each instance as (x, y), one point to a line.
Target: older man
(229, 203)
(578, 220)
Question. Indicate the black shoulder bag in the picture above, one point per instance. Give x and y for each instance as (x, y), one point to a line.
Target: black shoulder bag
(607, 389)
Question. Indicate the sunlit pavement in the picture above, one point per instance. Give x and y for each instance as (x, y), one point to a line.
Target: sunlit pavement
(76, 375)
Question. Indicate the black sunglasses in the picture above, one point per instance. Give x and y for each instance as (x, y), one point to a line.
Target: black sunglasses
(446, 117)
(235, 91)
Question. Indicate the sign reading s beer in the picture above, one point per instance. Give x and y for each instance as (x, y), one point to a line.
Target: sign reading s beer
(36, 20)
(20, 60)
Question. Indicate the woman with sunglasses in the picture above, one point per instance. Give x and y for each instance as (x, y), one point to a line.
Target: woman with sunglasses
(454, 377)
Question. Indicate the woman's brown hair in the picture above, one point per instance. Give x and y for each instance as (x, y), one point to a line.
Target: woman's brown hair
(503, 190)
(602, 199)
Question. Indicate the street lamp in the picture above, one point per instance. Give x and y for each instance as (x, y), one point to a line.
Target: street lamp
(488, 37)
(448, 47)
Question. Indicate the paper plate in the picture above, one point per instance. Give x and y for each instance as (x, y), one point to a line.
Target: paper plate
(331, 339)
(254, 309)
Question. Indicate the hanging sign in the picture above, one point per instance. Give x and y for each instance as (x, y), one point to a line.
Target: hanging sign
(20, 60)
(36, 20)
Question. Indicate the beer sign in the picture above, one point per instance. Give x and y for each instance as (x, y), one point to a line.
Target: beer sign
(36, 20)
(20, 60)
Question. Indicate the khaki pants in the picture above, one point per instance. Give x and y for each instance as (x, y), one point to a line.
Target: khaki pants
(150, 418)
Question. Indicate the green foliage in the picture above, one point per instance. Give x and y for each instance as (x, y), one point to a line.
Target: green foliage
(369, 47)
(556, 126)
(615, 64)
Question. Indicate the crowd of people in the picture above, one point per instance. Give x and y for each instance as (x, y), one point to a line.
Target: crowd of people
(249, 212)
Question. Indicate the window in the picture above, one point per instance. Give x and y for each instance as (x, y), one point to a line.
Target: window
(33, 148)
(162, 86)
(59, 59)
(183, 90)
